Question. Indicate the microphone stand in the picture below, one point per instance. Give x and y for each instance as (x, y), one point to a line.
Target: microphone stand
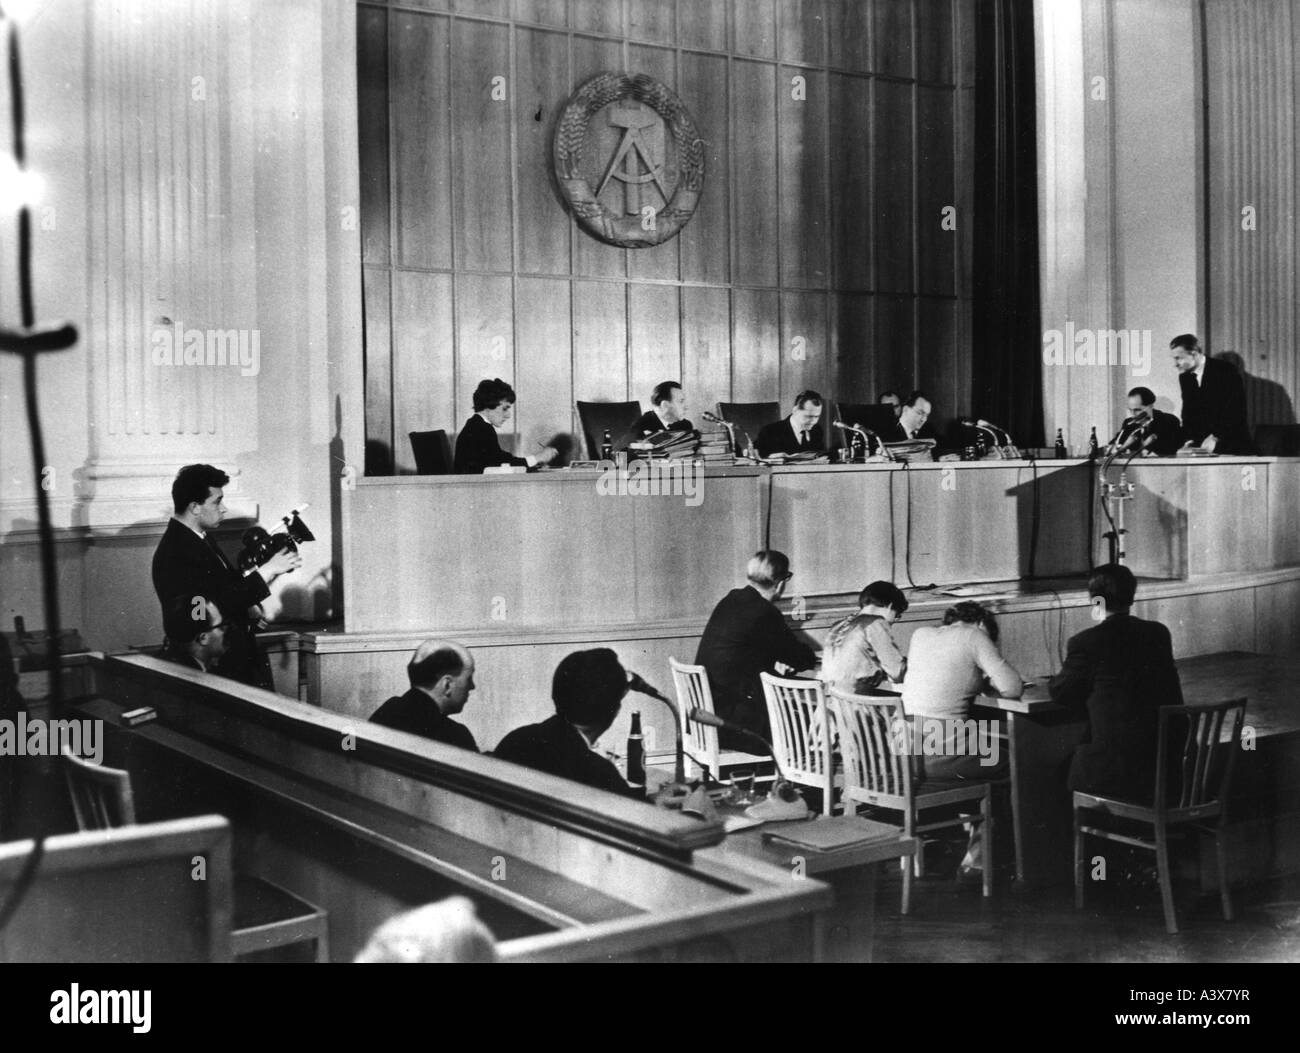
(782, 788)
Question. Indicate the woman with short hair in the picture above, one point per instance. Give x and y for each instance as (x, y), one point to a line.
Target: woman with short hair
(477, 446)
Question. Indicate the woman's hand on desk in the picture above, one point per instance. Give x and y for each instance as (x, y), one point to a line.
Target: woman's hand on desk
(546, 455)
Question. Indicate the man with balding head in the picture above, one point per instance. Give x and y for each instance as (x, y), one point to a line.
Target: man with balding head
(442, 676)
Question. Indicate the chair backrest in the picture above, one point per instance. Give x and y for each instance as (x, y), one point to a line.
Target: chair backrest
(1190, 744)
(700, 741)
(874, 744)
(749, 417)
(801, 729)
(101, 797)
(877, 417)
(599, 417)
(432, 452)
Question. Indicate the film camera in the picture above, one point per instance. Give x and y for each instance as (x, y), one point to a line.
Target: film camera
(260, 545)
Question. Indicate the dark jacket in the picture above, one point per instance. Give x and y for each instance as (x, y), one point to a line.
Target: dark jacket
(779, 437)
(1216, 407)
(477, 447)
(1165, 427)
(746, 635)
(558, 748)
(419, 714)
(187, 565)
(899, 434)
(650, 424)
(1121, 671)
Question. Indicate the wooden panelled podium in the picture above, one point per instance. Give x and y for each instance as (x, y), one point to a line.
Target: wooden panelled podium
(526, 568)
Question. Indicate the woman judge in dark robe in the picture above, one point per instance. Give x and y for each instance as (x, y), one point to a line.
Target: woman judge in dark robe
(477, 446)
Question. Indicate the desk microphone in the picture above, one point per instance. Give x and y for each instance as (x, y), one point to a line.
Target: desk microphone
(866, 433)
(635, 683)
(1006, 435)
(981, 425)
(783, 788)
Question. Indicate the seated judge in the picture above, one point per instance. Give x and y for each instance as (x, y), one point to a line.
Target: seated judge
(441, 674)
(1120, 671)
(1214, 400)
(669, 413)
(477, 446)
(860, 656)
(747, 635)
(1148, 429)
(797, 433)
(587, 689)
(196, 633)
(913, 420)
(891, 398)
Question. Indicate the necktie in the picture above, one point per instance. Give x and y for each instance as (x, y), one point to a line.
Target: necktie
(803, 438)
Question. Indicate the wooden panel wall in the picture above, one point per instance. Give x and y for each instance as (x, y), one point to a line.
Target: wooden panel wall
(1253, 146)
(837, 131)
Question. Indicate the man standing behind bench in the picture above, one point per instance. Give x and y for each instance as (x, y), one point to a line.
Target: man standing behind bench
(442, 676)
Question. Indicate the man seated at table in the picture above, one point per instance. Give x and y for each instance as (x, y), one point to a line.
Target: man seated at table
(668, 414)
(913, 420)
(747, 635)
(860, 656)
(1121, 671)
(441, 674)
(891, 398)
(587, 689)
(797, 433)
(196, 633)
(1148, 428)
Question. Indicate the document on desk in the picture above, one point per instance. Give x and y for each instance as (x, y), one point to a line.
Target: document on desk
(827, 835)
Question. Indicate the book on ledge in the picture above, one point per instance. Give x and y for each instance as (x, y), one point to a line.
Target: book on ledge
(829, 835)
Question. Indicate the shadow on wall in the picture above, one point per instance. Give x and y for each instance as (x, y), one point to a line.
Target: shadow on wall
(1267, 401)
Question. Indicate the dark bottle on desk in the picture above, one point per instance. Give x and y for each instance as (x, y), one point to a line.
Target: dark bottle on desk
(635, 753)
(1061, 451)
(858, 447)
(1093, 449)
(607, 447)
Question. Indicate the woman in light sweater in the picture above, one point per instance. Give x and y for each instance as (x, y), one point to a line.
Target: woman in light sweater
(947, 668)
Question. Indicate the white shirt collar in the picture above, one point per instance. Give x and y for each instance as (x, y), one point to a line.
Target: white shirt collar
(201, 533)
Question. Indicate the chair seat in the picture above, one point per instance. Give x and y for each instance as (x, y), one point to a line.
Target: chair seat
(266, 916)
(1144, 812)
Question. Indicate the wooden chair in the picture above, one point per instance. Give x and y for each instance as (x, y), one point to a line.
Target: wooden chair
(802, 733)
(749, 417)
(432, 452)
(599, 417)
(1205, 768)
(700, 741)
(874, 739)
(265, 915)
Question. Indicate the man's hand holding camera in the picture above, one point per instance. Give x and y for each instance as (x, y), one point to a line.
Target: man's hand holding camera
(283, 562)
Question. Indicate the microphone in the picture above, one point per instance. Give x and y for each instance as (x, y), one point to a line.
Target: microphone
(980, 425)
(783, 788)
(713, 418)
(866, 433)
(1006, 435)
(635, 683)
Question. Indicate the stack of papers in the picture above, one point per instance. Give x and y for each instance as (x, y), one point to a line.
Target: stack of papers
(829, 835)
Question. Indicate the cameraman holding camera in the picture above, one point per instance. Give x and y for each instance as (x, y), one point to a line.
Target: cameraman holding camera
(188, 563)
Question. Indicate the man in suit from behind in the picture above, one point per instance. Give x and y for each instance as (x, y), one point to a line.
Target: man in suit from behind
(196, 633)
(747, 635)
(1214, 400)
(588, 690)
(1121, 671)
(441, 674)
(188, 564)
(798, 433)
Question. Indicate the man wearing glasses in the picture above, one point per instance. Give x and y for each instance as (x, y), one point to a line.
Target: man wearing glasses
(747, 635)
(196, 633)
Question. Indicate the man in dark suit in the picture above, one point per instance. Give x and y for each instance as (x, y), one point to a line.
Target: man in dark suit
(477, 445)
(441, 676)
(1214, 400)
(587, 689)
(1148, 428)
(797, 433)
(188, 564)
(196, 633)
(913, 420)
(746, 635)
(1122, 671)
(669, 413)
